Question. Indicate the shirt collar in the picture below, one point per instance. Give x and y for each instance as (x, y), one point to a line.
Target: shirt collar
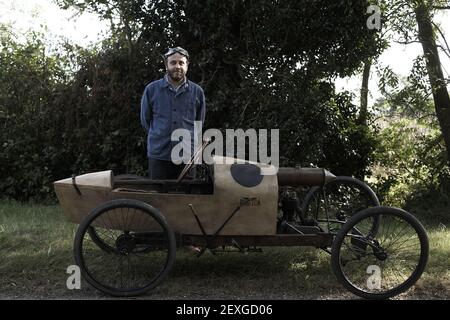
(167, 83)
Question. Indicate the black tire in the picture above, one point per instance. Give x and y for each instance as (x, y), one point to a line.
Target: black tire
(136, 252)
(397, 253)
(345, 197)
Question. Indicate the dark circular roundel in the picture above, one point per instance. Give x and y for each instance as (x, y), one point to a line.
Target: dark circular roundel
(246, 174)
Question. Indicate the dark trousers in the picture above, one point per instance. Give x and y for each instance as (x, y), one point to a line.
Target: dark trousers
(163, 170)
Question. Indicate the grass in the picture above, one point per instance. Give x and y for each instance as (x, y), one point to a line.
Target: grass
(36, 245)
(33, 243)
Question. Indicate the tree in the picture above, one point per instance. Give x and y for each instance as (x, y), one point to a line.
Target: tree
(412, 160)
(363, 110)
(265, 64)
(412, 21)
(30, 79)
(437, 81)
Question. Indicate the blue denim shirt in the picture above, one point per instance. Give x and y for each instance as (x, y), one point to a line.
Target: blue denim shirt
(164, 109)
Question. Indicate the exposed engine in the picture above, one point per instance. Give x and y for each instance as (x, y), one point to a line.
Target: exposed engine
(291, 219)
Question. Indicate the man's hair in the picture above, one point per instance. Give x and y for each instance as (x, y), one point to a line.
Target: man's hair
(172, 51)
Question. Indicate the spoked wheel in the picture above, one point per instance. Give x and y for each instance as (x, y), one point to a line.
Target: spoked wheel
(332, 205)
(124, 248)
(381, 265)
(101, 239)
(97, 238)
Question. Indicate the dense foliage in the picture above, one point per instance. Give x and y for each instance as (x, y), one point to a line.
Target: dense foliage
(410, 167)
(262, 64)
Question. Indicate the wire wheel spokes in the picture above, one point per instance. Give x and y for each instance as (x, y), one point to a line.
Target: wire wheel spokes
(98, 240)
(333, 204)
(384, 264)
(124, 248)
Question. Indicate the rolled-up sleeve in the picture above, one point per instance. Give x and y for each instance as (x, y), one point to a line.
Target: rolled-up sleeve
(146, 109)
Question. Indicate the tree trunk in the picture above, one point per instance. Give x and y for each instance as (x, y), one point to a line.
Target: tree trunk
(362, 118)
(440, 94)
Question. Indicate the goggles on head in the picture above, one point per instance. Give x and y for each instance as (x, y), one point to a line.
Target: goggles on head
(176, 50)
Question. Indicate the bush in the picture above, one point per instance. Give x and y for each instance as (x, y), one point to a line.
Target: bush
(411, 163)
(77, 111)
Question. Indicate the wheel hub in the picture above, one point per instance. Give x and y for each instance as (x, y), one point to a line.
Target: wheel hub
(125, 244)
(378, 251)
(381, 255)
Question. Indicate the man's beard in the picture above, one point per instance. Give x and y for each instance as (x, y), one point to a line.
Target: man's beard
(176, 76)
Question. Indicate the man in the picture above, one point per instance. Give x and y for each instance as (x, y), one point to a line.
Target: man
(168, 104)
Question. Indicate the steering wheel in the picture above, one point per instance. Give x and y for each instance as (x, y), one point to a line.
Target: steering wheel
(191, 162)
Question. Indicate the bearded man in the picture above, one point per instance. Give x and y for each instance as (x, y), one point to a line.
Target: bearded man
(170, 103)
